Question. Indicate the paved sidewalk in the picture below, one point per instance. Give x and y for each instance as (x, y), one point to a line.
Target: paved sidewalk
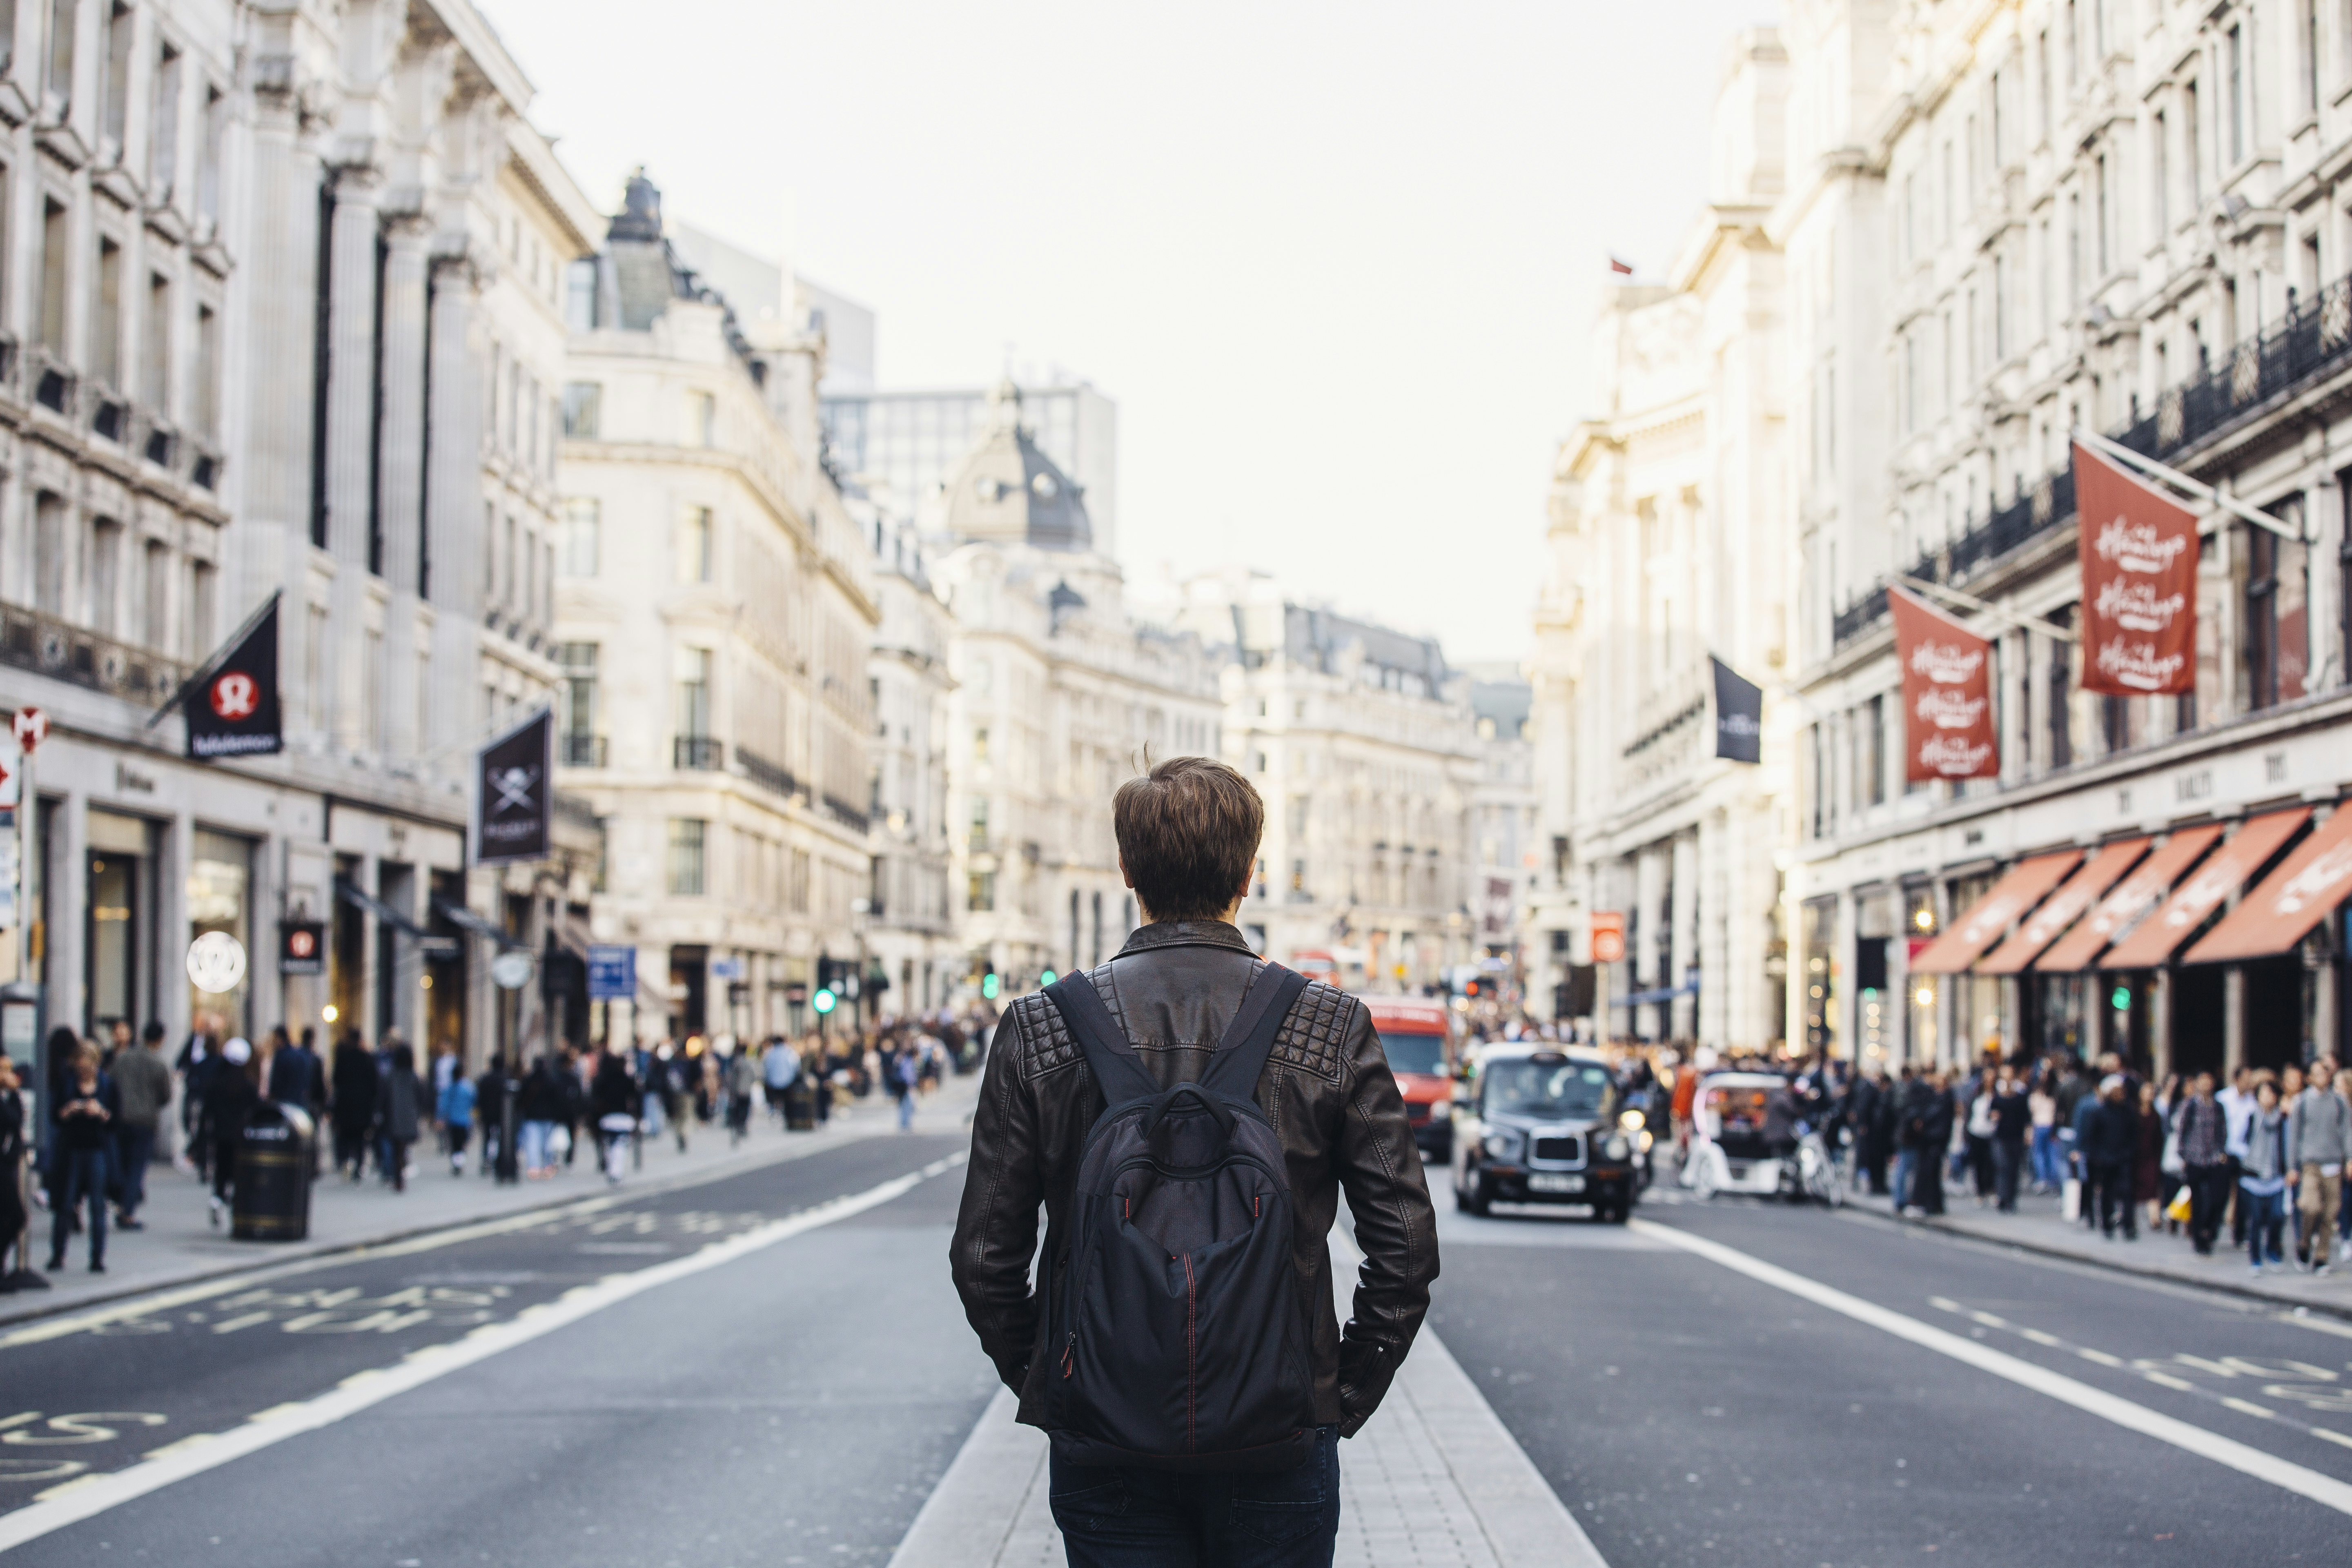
(179, 1247)
(2039, 1227)
(1433, 1481)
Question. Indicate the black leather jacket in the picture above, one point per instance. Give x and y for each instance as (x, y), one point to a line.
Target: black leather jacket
(1327, 1090)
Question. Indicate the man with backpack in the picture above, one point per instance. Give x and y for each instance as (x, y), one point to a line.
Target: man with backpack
(1188, 1116)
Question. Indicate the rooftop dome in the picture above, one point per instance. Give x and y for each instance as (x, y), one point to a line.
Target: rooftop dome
(1007, 490)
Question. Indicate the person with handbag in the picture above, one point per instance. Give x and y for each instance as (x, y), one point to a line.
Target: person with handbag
(2261, 1179)
(2319, 1141)
(2204, 1134)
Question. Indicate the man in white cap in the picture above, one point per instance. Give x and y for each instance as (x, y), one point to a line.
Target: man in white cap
(230, 1096)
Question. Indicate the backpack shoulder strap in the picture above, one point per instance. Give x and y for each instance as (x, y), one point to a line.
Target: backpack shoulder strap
(1242, 1055)
(1104, 1044)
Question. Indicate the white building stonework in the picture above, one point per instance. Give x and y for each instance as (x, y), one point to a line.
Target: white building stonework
(715, 606)
(1502, 816)
(1059, 696)
(248, 286)
(1669, 542)
(2012, 223)
(1364, 745)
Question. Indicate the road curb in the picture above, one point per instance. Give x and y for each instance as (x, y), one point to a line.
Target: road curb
(307, 1252)
(2114, 1266)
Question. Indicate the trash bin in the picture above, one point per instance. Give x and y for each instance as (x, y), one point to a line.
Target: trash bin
(799, 1105)
(274, 1161)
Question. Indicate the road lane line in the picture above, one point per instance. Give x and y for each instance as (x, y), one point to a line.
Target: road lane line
(164, 1466)
(2240, 1456)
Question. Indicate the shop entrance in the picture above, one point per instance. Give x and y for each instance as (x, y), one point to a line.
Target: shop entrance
(2199, 1018)
(119, 947)
(2274, 1006)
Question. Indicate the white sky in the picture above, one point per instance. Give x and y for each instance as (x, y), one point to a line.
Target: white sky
(1337, 262)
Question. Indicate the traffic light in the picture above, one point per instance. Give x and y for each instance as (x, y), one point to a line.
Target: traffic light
(1047, 978)
(988, 986)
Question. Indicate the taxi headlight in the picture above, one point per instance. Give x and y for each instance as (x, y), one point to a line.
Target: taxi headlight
(1629, 1121)
(1502, 1144)
(1614, 1147)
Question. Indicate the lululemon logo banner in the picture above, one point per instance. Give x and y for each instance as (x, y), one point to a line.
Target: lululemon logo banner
(514, 793)
(1947, 695)
(1738, 715)
(2138, 553)
(233, 711)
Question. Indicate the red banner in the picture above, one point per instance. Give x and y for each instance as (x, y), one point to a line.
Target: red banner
(2139, 550)
(1947, 695)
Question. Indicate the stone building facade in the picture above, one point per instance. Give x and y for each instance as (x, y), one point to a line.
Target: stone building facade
(258, 282)
(1669, 543)
(2000, 228)
(1059, 695)
(715, 604)
(1363, 743)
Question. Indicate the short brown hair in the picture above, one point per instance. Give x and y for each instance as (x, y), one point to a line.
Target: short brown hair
(1188, 832)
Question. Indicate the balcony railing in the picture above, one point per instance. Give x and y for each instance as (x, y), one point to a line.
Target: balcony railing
(765, 773)
(584, 751)
(32, 639)
(2313, 340)
(697, 752)
(841, 811)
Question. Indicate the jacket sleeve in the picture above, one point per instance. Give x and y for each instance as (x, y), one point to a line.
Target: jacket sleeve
(1380, 1170)
(996, 1224)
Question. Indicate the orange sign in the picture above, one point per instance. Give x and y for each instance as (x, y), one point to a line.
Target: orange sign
(2138, 554)
(1946, 694)
(1608, 935)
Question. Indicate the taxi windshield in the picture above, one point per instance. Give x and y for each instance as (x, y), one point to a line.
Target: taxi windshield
(1415, 1052)
(1529, 1087)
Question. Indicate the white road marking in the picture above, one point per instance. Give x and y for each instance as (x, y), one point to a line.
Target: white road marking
(95, 1494)
(2240, 1456)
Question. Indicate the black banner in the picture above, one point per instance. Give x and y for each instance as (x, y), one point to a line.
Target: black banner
(1738, 716)
(514, 793)
(301, 947)
(233, 711)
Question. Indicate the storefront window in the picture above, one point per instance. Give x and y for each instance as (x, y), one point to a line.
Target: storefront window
(220, 887)
(1821, 930)
(118, 919)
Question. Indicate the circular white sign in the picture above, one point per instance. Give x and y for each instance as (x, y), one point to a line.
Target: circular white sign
(216, 963)
(511, 970)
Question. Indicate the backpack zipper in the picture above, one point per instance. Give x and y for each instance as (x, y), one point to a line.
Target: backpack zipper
(1069, 1346)
(1191, 1356)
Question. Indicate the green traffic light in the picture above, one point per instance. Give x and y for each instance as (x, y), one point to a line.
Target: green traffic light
(988, 986)
(823, 1001)
(2121, 1000)
(1046, 979)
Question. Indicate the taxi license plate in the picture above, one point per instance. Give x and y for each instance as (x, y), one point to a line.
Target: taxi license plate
(1539, 1184)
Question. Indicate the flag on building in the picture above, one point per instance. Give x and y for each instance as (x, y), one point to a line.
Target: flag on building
(514, 793)
(1946, 694)
(2138, 553)
(1738, 715)
(232, 706)
(1624, 269)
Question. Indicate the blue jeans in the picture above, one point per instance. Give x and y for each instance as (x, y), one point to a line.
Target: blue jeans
(2047, 1170)
(134, 1147)
(81, 1175)
(1906, 1165)
(533, 1143)
(2266, 1219)
(1122, 1518)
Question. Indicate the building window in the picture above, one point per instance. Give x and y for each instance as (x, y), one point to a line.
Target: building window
(105, 576)
(580, 295)
(701, 419)
(582, 541)
(978, 834)
(2241, 99)
(980, 745)
(1874, 751)
(576, 661)
(155, 347)
(57, 90)
(2277, 642)
(2159, 185)
(685, 867)
(979, 892)
(694, 546)
(2059, 681)
(116, 99)
(209, 169)
(693, 673)
(209, 361)
(106, 321)
(56, 228)
(163, 126)
(583, 409)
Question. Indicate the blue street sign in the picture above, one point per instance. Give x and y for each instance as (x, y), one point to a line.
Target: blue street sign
(612, 974)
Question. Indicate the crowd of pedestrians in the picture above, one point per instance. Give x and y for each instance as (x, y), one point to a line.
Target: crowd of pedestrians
(107, 1099)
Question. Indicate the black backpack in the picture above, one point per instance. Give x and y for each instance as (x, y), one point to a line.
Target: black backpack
(1179, 1341)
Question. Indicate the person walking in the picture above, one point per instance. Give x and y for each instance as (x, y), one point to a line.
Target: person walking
(612, 1103)
(351, 1109)
(1926, 1135)
(2109, 1140)
(1983, 1168)
(199, 1056)
(2263, 1178)
(453, 1108)
(1188, 835)
(537, 1108)
(2204, 1132)
(401, 1113)
(2013, 1120)
(2147, 1153)
(231, 1091)
(15, 1221)
(143, 1082)
(2319, 1141)
(84, 1119)
(742, 1088)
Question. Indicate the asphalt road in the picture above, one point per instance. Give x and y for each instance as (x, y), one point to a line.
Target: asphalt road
(1689, 1413)
(793, 1405)
(796, 1403)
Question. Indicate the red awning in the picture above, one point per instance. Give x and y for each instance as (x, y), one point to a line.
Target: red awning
(2224, 871)
(2061, 908)
(2134, 896)
(2291, 900)
(1993, 914)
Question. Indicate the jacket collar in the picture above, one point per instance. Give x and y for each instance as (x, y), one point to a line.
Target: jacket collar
(1186, 933)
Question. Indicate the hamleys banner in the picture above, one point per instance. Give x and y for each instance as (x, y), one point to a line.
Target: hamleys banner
(1946, 694)
(2138, 551)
